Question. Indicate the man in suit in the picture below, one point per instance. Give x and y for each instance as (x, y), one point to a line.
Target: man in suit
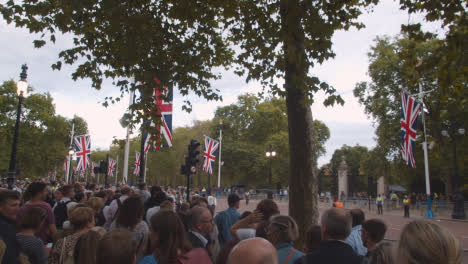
(336, 227)
(200, 227)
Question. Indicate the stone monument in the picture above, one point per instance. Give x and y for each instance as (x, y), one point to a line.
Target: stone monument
(381, 185)
(342, 179)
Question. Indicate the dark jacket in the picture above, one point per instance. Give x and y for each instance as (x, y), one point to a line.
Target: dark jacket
(195, 241)
(331, 252)
(8, 235)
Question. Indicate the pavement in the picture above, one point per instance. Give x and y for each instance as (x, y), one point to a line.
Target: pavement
(394, 220)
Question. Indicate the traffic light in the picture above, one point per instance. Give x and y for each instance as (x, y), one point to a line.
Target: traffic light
(193, 153)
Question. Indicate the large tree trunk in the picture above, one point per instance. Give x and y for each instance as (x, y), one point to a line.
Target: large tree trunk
(303, 182)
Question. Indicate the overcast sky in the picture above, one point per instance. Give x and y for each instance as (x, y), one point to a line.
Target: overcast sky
(348, 124)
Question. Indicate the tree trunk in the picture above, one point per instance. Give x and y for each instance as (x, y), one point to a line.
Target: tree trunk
(303, 182)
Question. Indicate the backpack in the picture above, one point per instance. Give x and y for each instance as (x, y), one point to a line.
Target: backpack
(61, 214)
(119, 203)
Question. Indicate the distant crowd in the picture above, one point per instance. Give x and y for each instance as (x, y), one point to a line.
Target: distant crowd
(59, 223)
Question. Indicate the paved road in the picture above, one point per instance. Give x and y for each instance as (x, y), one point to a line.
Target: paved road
(395, 222)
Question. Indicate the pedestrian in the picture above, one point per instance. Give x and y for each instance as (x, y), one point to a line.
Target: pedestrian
(9, 207)
(282, 232)
(227, 218)
(31, 245)
(372, 232)
(200, 228)
(380, 202)
(247, 197)
(406, 206)
(354, 239)
(253, 251)
(116, 247)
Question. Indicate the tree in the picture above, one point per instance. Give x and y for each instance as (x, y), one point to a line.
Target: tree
(181, 43)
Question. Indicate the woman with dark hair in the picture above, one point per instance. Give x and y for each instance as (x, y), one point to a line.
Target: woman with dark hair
(31, 245)
(152, 205)
(169, 242)
(130, 217)
(37, 192)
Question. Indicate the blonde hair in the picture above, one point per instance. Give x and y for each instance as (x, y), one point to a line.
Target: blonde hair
(96, 203)
(285, 226)
(428, 243)
(80, 217)
(383, 253)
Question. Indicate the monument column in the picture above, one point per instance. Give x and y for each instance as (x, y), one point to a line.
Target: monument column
(342, 179)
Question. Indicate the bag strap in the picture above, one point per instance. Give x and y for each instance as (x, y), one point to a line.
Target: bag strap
(289, 256)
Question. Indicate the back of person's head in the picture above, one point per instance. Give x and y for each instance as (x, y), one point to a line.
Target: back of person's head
(116, 247)
(282, 228)
(34, 189)
(95, 203)
(358, 217)
(125, 190)
(67, 190)
(199, 201)
(383, 253)
(253, 251)
(429, 243)
(86, 246)
(336, 224)
(81, 217)
(131, 212)
(33, 218)
(159, 197)
(154, 190)
(168, 236)
(100, 194)
(233, 199)
(375, 229)
(262, 229)
(268, 208)
(167, 205)
(313, 238)
(142, 186)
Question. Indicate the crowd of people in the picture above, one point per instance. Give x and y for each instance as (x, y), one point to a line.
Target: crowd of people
(78, 224)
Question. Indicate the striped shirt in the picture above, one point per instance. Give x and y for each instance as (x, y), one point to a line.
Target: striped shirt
(32, 247)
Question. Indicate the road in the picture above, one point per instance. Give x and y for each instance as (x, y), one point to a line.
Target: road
(395, 222)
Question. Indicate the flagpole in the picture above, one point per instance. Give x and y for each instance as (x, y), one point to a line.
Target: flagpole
(116, 169)
(67, 176)
(146, 161)
(220, 160)
(127, 145)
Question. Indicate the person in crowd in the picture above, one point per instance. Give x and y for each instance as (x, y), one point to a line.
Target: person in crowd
(253, 251)
(38, 191)
(282, 232)
(170, 243)
(63, 251)
(97, 204)
(246, 226)
(336, 227)
(429, 243)
(64, 205)
(267, 208)
(155, 203)
(115, 205)
(379, 201)
(201, 225)
(9, 207)
(406, 205)
(32, 246)
(199, 201)
(313, 238)
(354, 239)
(116, 247)
(212, 202)
(155, 199)
(372, 232)
(167, 205)
(57, 196)
(86, 246)
(143, 189)
(130, 217)
(227, 218)
(382, 254)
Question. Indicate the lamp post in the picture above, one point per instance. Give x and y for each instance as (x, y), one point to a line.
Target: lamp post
(22, 89)
(71, 152)
(451, 130)
(270, 154)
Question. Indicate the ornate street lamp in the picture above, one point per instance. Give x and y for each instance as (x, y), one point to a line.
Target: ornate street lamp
(270, 154)
(22, 90)
(451, 130)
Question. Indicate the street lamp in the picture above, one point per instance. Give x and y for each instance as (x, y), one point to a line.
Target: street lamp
(22, 90)
(71, 152)
(270, 154)
(450, 130)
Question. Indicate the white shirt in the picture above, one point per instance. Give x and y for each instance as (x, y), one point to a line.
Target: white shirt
(152, 211)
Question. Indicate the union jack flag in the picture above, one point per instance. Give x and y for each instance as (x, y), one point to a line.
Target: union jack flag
(136, 171)
(409, 125)
(211, 149)
(82, 146)
(164, 109)
(111, 168)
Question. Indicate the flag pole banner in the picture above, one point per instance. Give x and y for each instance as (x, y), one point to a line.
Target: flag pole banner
(111, 168)
(209, 155)
(82, 146)
(136, 171)
(409, 123)
(164, 106)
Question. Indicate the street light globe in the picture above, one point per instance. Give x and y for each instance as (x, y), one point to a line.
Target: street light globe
(273, 154)
(444, 133)
(71, 152)
(461, 131)
(268, 154)
(22, 88)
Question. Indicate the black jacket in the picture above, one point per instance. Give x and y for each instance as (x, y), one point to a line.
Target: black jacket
(331, 252)
(195, 241)
(8, 235)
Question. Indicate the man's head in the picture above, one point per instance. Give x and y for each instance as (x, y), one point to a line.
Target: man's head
(37, 190)
(9, 203)
(336, 224)
(201, 220)
(116, 247)
(58, 195)
(372, 232)
(233, 200)
(67, 191)
(125, 190)
(142, 186)
(253, 251)
(358, 217)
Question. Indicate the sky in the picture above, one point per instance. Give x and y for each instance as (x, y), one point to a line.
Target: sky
(348, 124)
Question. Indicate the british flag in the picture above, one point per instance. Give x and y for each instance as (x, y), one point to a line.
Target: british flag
(409, 116)
(111, 168)
(163, 99)
(136, 171)
(82, 146)
(211, 149)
